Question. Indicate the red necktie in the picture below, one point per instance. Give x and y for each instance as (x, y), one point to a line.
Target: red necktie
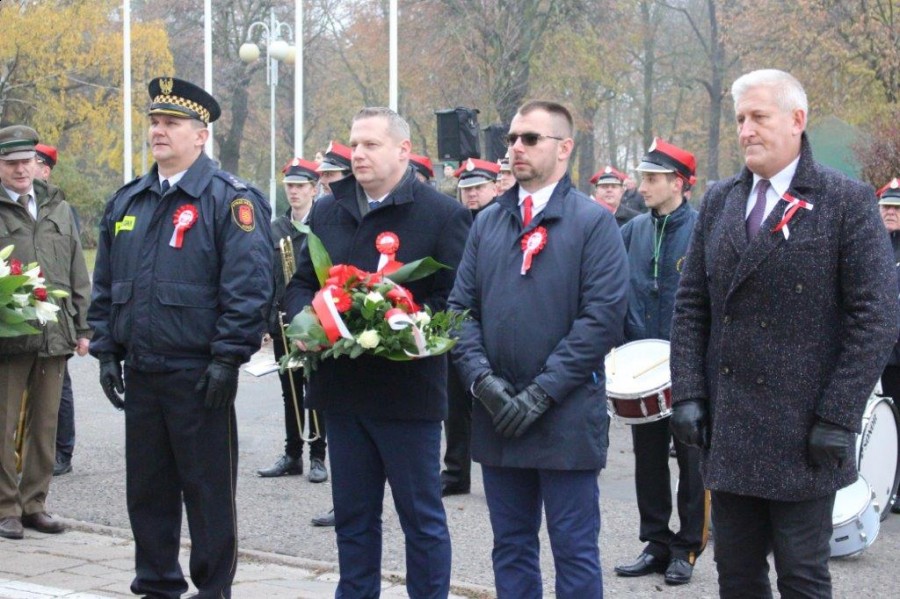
(526, 210)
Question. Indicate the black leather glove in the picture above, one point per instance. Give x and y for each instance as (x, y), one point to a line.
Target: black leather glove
(219, 382)
(493, 392)
(518, 415)
(690, 423)
(111, 380)
(830, 445)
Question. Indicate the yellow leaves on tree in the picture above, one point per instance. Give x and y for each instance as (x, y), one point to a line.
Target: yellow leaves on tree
(61, 72)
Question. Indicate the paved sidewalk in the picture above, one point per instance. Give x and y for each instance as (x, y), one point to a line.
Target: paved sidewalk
(93, 562)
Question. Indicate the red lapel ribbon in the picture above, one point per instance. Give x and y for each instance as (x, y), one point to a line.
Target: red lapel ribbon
(532, 244)
(387, 244)
(183, 219)
(794, 204)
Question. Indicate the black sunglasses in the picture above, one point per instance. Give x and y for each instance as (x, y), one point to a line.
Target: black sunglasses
(528, 139)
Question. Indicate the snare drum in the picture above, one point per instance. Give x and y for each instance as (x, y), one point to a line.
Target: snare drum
(638, 385)
(855, 519)
(876, 450)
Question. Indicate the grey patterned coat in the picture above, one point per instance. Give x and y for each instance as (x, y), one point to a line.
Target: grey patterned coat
(777, 332)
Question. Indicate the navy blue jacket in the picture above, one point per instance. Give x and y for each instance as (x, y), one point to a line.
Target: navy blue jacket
(651, 296)
(162, 308)
(428, 223)
(551, 326)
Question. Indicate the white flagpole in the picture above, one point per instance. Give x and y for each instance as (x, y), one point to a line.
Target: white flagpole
(207, 66)
(298, 79)
(393, 56)
(126, 91)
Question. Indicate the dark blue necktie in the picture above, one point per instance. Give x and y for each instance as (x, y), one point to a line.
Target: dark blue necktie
(373, 205)
(164, 187)
(755, 218)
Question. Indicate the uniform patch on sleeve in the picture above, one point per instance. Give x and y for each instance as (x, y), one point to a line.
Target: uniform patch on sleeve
(242, 214)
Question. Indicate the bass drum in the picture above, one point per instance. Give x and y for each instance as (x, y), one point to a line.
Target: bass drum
(876, 450)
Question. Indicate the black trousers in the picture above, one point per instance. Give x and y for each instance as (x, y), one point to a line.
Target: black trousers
(65, 423)
(797, 532)
(293, 444)
(890, 382)
(654, 493)
(177, 448)
(458, 430)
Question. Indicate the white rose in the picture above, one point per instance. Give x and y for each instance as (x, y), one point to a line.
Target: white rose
(374, 297)
(368, 339)
(423, 319)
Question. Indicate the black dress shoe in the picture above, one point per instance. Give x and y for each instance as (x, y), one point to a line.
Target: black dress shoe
(643, 565)
(11, 528)
(284, 466)
(326, 519)
(62, 466)
(454, 489)
(679, 571)
(317, 472)
(43, 522)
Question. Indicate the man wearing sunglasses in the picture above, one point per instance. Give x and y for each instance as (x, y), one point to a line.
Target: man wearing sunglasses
(545, 279)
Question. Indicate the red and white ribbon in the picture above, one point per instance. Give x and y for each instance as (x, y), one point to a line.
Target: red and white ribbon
(794, 204)
(183, 219)
(532, 244)
(324, 306)
(398, 320)
(387, 244)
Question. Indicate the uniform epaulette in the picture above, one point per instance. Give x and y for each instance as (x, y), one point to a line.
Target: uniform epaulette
(231, 180)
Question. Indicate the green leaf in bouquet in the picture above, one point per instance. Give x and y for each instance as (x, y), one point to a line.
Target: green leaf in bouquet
(415, 270)
(16, 329)
(317, 253)
(10, 283)
(10, 316)
(357, 351)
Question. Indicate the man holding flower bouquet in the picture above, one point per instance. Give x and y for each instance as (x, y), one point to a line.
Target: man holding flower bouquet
(545, 279)
(383, 416)
(37, 221)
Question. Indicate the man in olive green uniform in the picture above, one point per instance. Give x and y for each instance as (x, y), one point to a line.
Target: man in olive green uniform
(36, 219)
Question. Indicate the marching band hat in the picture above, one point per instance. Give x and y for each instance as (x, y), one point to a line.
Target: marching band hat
(889, 195)
(663, 157)
(608, 176)
(46, 154)
(337, 158)
(422, 164)
(183, 99)
(474, 172)
(300, 171)
(17, 142)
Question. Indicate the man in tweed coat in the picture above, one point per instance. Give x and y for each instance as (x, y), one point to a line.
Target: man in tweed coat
(784, 319)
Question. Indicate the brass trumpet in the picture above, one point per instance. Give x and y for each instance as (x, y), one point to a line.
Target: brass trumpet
(288, 266)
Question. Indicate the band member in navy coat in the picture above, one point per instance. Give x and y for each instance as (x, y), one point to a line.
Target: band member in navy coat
(383, 417)
(545, 278)
(784, 319)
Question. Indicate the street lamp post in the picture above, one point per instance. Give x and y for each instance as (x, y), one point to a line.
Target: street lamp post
(276, 49)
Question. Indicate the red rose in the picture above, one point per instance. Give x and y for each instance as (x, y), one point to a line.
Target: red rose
(15, 267)
(40, 294)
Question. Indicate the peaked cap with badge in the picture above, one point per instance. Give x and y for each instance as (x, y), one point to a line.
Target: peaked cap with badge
(46, 154)
(299, 170)
(17, 142)
(889, 195)
(337, 158)
(182, 99)
(608, 176)
(474, 171)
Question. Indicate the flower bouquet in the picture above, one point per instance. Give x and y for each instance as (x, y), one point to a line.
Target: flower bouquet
(24, 297)
(357, 312)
